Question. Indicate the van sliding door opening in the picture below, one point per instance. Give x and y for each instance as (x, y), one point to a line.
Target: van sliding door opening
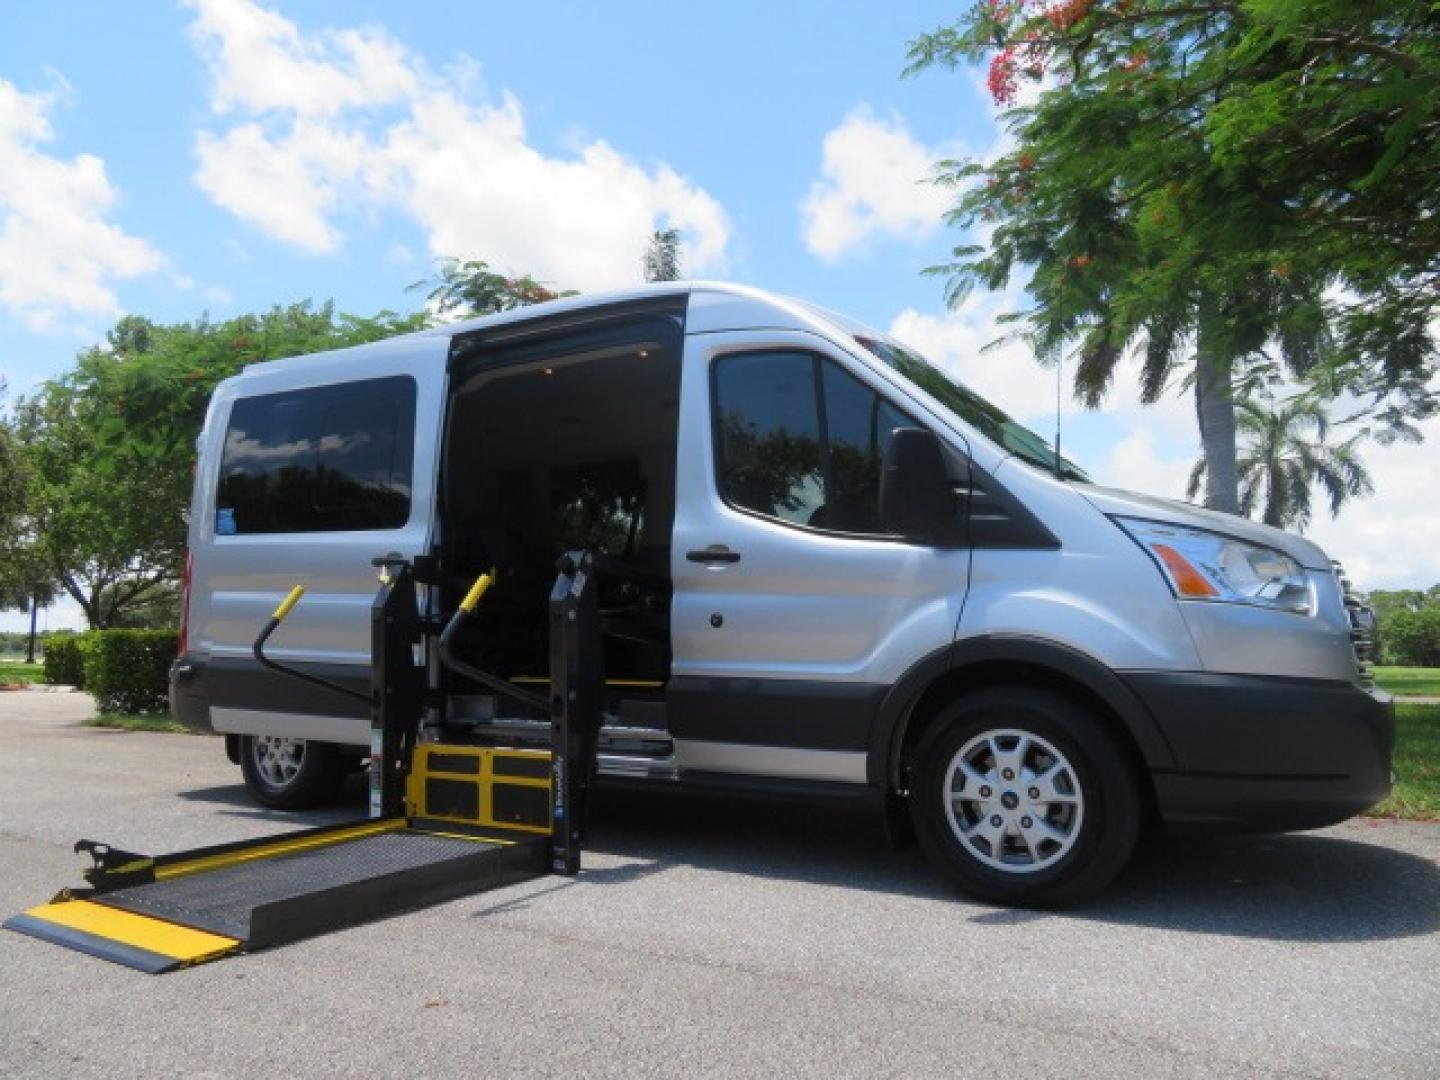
(557, 450)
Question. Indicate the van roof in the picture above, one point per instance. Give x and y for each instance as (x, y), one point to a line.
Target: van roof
(714, 305)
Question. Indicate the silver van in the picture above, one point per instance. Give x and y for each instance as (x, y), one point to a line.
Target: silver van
(826, 568)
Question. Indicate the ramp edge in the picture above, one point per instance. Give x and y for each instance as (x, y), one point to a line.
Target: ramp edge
(117, 952)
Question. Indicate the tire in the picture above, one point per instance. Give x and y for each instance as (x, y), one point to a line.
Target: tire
(1053, 831)
(290, 774)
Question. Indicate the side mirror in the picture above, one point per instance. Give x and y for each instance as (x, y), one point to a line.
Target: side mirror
(917, 495)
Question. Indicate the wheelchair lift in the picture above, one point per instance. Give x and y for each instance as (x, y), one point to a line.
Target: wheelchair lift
(445, 820)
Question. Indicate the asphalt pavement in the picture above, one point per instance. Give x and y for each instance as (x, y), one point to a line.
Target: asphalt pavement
(712, 936)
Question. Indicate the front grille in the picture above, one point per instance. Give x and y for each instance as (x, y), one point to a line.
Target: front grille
(1361, 617)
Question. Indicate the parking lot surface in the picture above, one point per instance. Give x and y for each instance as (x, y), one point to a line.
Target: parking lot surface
(711, 936)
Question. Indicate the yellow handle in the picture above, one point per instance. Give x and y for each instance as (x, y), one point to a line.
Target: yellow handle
(476, 592)
(289, 602)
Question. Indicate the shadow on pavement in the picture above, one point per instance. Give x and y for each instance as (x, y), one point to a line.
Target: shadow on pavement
(238, 803)
(1295, 887)
(1292, 887)
(1286, 888)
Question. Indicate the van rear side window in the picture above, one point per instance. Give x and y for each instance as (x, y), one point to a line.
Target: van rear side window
(327, 459)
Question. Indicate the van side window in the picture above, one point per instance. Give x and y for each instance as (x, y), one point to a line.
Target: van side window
(768, 434)
(326, 459)
(800, 439)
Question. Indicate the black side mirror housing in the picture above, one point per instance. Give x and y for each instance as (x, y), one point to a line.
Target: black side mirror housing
(918, 496)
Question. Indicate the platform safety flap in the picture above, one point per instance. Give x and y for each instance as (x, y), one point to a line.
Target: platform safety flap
(136, 941)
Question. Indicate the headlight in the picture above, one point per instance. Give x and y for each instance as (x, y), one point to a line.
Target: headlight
(1203, 565)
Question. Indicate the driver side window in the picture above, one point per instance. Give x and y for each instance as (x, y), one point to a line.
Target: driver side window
(801, 440)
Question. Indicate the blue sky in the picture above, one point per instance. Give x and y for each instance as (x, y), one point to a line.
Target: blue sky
(224, 155)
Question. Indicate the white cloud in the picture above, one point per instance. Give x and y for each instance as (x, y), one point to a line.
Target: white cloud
(1136, 463)
(1392, 539)
(873, 181)
(260, 62)
(347, 120)
(288, 186)
(59, 254)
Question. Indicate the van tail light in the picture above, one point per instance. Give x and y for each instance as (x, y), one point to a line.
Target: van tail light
(185, 606)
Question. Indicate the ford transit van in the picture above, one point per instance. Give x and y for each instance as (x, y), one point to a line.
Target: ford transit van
(825, 567)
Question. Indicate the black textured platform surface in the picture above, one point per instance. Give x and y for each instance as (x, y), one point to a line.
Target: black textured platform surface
(292, 896)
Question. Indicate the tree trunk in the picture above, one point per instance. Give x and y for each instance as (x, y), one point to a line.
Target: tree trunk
(30, 645)
(1215, 408)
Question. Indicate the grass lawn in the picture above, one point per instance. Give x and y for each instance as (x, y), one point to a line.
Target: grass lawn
(1418, 681)
(1416, 794)
(15, 670)
(137, 722)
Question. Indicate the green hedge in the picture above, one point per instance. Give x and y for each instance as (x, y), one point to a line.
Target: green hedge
(1412, 638)
(64, 662)
(128, 671)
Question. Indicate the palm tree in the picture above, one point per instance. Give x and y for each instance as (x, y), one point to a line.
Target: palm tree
(1284, 454)
(662, 256)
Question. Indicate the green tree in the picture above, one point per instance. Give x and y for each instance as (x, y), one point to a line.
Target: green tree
(662, 256)
(108, 448)
(1387, 602)
(1284, 454)
(466, 288)
(24, 585)
(12, 497)
(1218, 186)
(1412, 638)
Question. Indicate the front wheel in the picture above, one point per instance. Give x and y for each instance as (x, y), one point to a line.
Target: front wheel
(1023, 798)
(290, 774)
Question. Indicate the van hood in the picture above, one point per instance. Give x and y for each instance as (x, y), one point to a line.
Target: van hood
(1132, 504)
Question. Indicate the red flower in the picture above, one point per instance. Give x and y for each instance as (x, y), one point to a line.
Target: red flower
(1066, 14)
(1002, 76)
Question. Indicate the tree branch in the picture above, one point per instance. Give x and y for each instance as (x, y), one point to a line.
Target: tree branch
(1404, 61)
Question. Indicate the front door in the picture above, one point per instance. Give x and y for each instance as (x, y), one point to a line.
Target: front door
(793, 611)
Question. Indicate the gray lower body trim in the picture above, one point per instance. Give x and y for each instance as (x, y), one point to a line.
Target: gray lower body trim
(344, 730)
(843, 766)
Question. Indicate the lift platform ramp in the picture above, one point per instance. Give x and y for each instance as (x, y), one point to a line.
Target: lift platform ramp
(447, 820)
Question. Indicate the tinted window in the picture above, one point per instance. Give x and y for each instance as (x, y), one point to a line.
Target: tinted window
(327, 459)
(973, 409)
(858, 426)
(769, 434)
(802, 440)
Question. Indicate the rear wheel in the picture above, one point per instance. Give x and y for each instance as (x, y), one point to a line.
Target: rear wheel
(1022, 797)
(290, 774)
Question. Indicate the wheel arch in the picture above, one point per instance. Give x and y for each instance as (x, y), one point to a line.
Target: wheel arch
(997, 659)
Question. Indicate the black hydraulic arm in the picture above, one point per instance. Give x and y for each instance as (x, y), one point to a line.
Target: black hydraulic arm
(397, 684)
(577, 682)
(286, 605)
(470, 671)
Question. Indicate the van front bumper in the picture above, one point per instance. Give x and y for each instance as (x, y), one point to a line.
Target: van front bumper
(1263, 753)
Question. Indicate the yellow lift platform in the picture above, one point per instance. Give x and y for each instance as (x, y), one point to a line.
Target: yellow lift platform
(447, 820)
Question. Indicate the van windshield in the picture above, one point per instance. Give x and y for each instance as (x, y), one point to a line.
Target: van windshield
(973, 409)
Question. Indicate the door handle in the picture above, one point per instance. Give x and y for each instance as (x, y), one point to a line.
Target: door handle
(715, 553)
